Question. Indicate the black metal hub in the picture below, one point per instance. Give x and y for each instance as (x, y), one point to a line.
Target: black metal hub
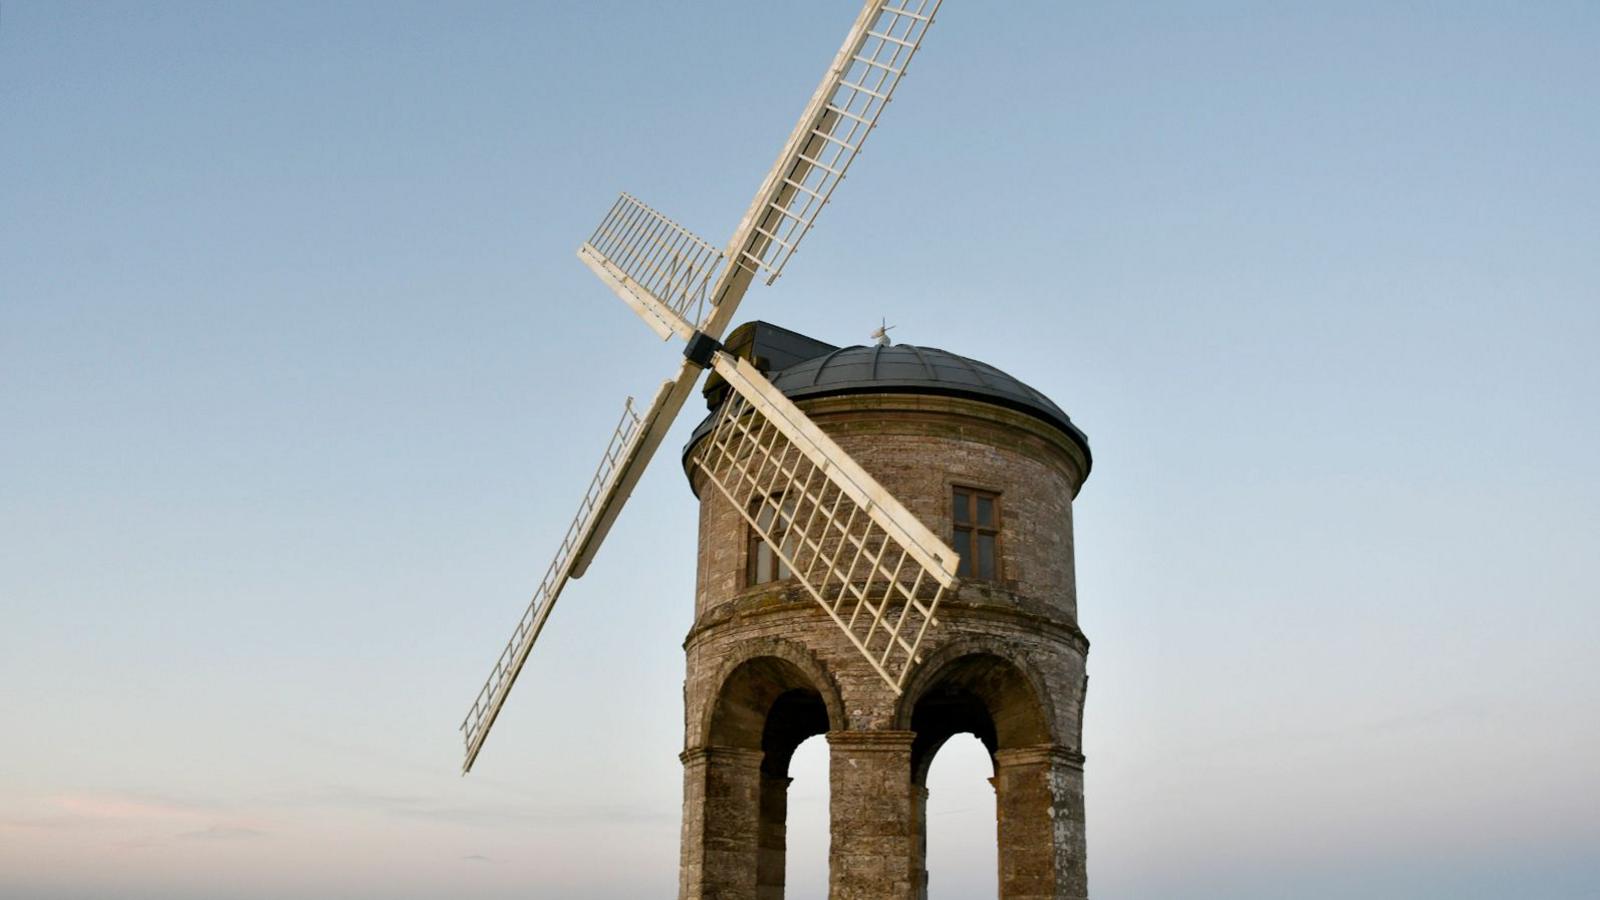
(700, 348)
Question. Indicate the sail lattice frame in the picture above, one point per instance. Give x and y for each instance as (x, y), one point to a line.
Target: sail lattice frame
(866, 560)
(637, 249)
(486, 706)
(885, 573)
(842, 114)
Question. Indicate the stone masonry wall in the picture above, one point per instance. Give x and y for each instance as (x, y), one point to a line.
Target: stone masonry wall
(918, 447)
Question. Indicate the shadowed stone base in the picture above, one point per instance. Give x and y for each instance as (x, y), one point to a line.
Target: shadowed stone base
(1039, 803)
(720, 839)
(870, 805)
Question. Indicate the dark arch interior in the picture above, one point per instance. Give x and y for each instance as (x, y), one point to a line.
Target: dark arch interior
(768, 704)
(771, 705)
(795, 716)
(980, 694)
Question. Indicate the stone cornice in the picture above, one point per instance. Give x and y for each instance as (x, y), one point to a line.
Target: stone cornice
(891, 413)
(736, 755)
(767, 605)
(1052, 625)
(1051, 755)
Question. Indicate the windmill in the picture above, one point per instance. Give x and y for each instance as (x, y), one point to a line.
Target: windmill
(877, 571)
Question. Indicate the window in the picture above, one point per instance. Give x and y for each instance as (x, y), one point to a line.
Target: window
(976, 515)
(772, 516)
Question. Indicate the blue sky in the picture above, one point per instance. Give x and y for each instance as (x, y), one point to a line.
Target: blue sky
(300, 383)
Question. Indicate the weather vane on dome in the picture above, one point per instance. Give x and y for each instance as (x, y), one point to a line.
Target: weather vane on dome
(881, 333)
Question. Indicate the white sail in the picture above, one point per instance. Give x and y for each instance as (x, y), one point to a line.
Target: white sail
(861, 555)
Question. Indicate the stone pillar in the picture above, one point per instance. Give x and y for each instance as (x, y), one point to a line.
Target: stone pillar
(874, 823)
(919, 857)
(722, 807)
(772, 839)
(1039, 802)
(1072, 853)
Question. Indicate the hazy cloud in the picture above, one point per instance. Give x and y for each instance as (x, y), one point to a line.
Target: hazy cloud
(222, 833)
(407, 806)
(105, 810)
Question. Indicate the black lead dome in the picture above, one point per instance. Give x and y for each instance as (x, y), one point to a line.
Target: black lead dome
(909, 369)
(805, 368)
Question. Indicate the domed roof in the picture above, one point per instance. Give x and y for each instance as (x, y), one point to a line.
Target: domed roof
(805, 368)
(909, 369)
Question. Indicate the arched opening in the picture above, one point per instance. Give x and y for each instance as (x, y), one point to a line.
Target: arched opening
(806, 873)
(766, 709)
(962, 853)
(990, 698)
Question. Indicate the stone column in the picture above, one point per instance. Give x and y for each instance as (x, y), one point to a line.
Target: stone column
(919, 857)
(1039, 801)
(772, 843)
(874, 823)
(721, 811)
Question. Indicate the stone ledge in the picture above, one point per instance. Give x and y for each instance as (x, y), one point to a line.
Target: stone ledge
(1053, 755)
(739, 611)
(721, 754)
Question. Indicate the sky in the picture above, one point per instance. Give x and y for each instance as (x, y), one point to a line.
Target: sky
(300, 384)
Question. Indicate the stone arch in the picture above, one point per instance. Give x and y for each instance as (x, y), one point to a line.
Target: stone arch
(783, 663)
(765, 699)
(979, 685)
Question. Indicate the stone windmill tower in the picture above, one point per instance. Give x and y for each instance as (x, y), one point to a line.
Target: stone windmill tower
(995, 466)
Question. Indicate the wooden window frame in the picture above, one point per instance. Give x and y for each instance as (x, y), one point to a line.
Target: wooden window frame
(968, 568)
(754, 542)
